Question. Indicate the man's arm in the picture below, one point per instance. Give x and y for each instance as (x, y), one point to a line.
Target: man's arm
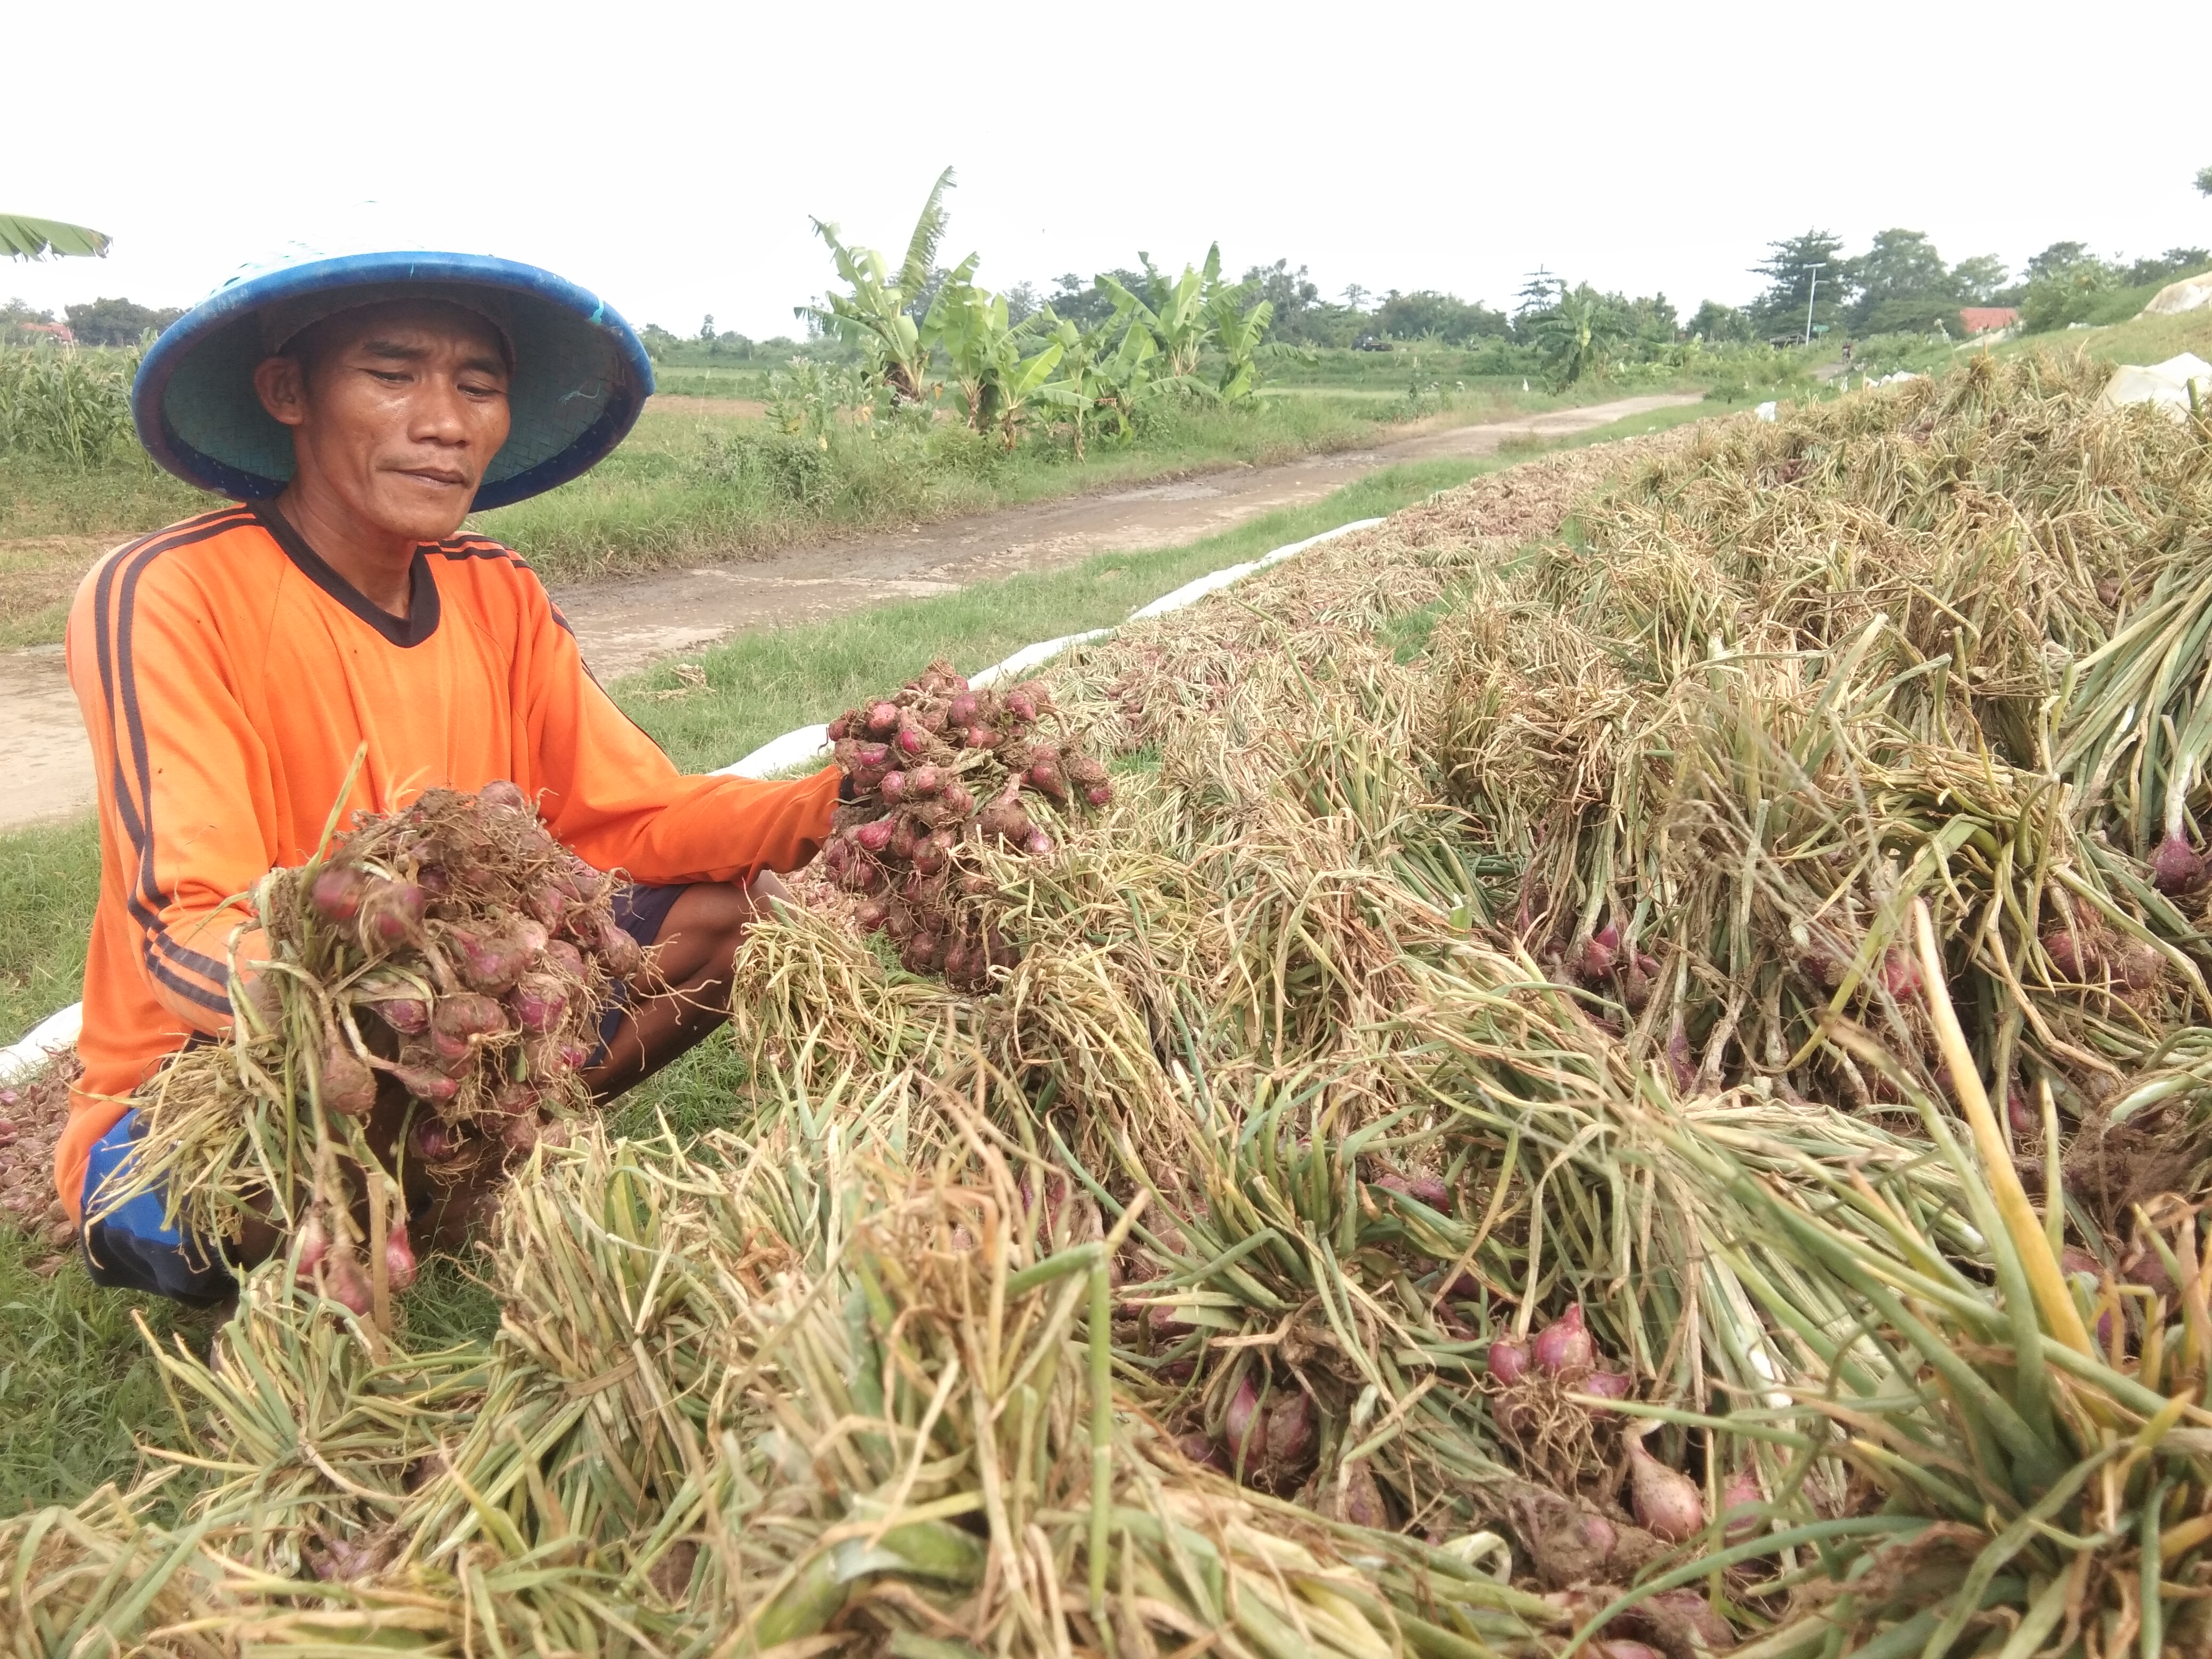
(612, 794)
(184, 783)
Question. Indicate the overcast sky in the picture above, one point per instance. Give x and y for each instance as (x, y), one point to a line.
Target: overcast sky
(669, 156)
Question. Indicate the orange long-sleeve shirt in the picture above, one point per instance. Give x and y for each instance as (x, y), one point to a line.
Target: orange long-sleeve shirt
(227, 678)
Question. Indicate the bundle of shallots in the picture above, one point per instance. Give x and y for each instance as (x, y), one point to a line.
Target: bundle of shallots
(939, 770)
(432, 985)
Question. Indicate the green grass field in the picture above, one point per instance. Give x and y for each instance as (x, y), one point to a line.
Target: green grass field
(76, 1382)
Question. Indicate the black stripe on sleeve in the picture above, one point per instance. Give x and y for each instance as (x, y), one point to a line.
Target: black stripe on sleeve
(112, 616)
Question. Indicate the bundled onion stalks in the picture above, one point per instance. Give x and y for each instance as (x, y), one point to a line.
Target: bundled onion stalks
(874, 1408)
(433, 982)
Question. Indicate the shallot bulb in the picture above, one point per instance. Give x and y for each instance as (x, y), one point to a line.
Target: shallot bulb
(488, 961)
(409, 1016)
(2075, 960)
(1290, 1429)
(1422, 1189)
(1608, 1385)
(425, 1084)
(1202, 1451)
(391, 914)
(1508, 1360)
(911, 740)
(1565, 1344)
(344, 1282)
(1022, 701)
(335, 892)
(1598, 954)
(1362, 1504)
(503, 795)
(539, 1002)
(1900, 973)
(960, 713)
(2176, 867)
(883, 720)
(2138, 964)
(398, 1256)
(1666, 1502)
(347, 1086)
(1038, 844)
(1238, 1421)
(623, 955)
(309, 1246)
(874, 837)
(1739, 1501)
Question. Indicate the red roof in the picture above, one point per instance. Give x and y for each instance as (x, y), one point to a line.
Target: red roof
(1980, 319)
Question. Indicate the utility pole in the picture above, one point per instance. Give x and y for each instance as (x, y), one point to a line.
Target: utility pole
(1811, 294)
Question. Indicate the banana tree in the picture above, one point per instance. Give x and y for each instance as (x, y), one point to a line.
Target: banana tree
(1176, 316)
(874, 317)
(25, 238)
(1125, 377)
(1079, 384)
(1015, 380)
(1578, 334)
(1237, 331)
(986, 354)
(968, 321)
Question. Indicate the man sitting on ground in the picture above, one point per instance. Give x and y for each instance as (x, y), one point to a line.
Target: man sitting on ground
(231, 667)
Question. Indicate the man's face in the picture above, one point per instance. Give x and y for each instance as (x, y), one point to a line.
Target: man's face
(396, 410)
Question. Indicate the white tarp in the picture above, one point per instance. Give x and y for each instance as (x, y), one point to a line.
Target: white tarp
(2190, 293)
(54, 1031)
(2168, 385)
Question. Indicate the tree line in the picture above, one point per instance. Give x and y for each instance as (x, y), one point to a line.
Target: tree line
(1900, 285)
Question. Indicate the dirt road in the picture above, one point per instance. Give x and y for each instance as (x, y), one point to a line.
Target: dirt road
(623, 625)
(626, 624)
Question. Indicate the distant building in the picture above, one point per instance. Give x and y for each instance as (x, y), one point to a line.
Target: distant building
(58, 332)
(1982, 320)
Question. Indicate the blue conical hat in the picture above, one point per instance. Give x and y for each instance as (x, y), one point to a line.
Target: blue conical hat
(580, 373)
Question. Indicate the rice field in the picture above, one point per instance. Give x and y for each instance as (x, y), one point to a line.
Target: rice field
(1621, 1072)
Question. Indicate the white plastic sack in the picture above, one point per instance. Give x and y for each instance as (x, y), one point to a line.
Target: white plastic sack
(2167, 386)
(54, 1031)
(2190, 293)
(809, 743)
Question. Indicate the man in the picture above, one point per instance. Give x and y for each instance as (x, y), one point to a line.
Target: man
(231, 667)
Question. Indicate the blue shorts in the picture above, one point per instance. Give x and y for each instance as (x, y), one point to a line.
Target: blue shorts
(641, 912)
(134, 1248)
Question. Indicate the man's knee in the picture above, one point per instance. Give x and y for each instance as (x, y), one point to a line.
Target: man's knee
(705, 928)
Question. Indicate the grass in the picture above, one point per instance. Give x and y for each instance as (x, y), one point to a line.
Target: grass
(2138, 340)
(76, 1382)
(49, 878)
